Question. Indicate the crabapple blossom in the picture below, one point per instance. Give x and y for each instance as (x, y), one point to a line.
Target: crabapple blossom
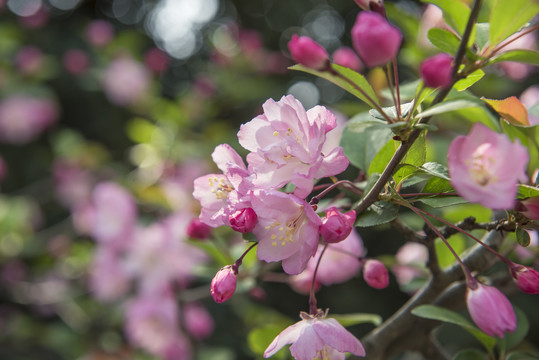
(308, 52)
(198, 230)
(286, 145)
(223, 285)
(287, 229)
(243, 220)
(109, 279)
(221, 195)
(316, 337)
(526, 278)
(490, 309)
(375, 274)
(485, 167)
(346, 56)
(99, 32)
(436, 71)
(75, 61)
(336, 226)
(198, 321)
(375, 40)
(30, 60)
(411, 259)
(126, 81)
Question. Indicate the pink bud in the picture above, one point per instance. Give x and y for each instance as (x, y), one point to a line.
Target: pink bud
(198, 230)
(243, 220)
(375, 274)
(75, 61)
(372, 5)
(437, 71)
(526, 278)
(336, 226)
(375, 40)
(346, 56)
(490, 309)
(529, 208)
(308, 52)
(223, 284)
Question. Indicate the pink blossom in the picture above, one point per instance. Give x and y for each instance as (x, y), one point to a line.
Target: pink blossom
(221, 195)
(75, 61)
(286, 145)
(411, 259)
(336, 226)
(308, 52)
(34, 18)
(526, 278)
(517, 70)
(490, 309)
(243, 220)
(109, 279)
(375, 274)
(530, 98)
(30, 60)
(316, 337)
(223, 284)
(485, 167)
(529, 207)
(198, 230)
(115, 215)
(126, 81)
(287, 229)
(23, 118)
(99, 32)
(370, 5)
(198, 321)
(346, 56)
(375, 40)
(73, 183)
(157, 60)
(437, 71)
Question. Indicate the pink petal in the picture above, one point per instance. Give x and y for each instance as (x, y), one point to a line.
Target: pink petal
(287, 336)
(336, 336)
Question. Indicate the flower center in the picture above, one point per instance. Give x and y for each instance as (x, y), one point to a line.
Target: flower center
(220, 187)
(284, 234)
(481, 165)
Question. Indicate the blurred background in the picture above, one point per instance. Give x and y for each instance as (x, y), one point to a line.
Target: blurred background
(109, 109)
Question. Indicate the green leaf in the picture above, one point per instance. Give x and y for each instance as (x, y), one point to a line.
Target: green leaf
(438, 313)
(526, 191)
(520, 355)
(346, 79)
(523, 56)
(523, 238)
(514, 338)
(379, 213)
(507, 17)
(444, 40)
(362, 138)
(416, 156)
(470, 354)
(442, 201)
(455, 13)
(471, 79)
(436, 169)
(259, 338)
(358, 318)
(448, 106)
(482, 33)
(510, 109)
(391, 111)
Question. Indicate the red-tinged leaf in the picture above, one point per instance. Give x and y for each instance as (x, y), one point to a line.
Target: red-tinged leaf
(511, 109)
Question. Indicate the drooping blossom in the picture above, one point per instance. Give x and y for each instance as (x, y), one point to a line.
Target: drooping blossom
(375, 274)
(286, 145)
(221, 195)
(126, 81)
(99, 32)
(23, 118)
(316, 337)
(308, 52)
(346, 56)
(336, 226)
(526, 278)
(375, 40)
(287, 229)
(485, 167)
(198, 321)
(223, 284)
(436, 71)
(490, 309)
(109, 279)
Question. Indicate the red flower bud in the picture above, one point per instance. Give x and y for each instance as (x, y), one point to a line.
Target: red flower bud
(243, 220)
(223, 284)
(375, 40)
(437, 71)
(336, 226)
(526, 278)
(529, 207)
(346, 56)
(308, 52)
(198, 230)
(375, 274)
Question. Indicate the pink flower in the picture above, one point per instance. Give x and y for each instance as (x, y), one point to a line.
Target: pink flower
(198, 321)
(375, 40)
(99, 32)
(346, 56)
(485, 167)
(109, 279)
(30, 60)
(490, 309)
(370, 5)
(157, 60)
(126, 81)
(308, 52)
(436, 71)
(529, 207)
(243, 220)
(286, 145)
(336, 226)
(223, 285)
(526, 278)
(198, 230)
(287, 229)
(221, 195)
(75, 61)
(316, 337)
(411, 259)
(375, 274)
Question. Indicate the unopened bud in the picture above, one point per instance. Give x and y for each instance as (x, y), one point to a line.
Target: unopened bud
(375, 274)
(308, 52)
(198, 230)
(526, 278)
(336, 226)
(346, 56)
(375, 40)
(529, 207)
(437, 71)
(243, 220)
(223, 284)
(372, 5)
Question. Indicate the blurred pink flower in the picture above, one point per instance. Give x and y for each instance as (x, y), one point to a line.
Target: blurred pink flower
(316, 337)
(109, 279)
(411, 259)
(223, 284)
(286, 145)
(3, 168)
(517, 70)
(198, 230)
(485, 167)
(99, 32)
(23, 118)
(29, 60)
(157, 60)
(126, 81)
(432, 18)
(436, 71)
(375, 274)
(526, 278)
(347, 57)
(308, 52)
(75, 61)
(73, 184)
(530, 99)
(36, 18)
(198, 321)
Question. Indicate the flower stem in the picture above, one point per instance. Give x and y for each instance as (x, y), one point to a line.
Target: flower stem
(353, 188)
(313, 307)
(396, 76)
(238, 262)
